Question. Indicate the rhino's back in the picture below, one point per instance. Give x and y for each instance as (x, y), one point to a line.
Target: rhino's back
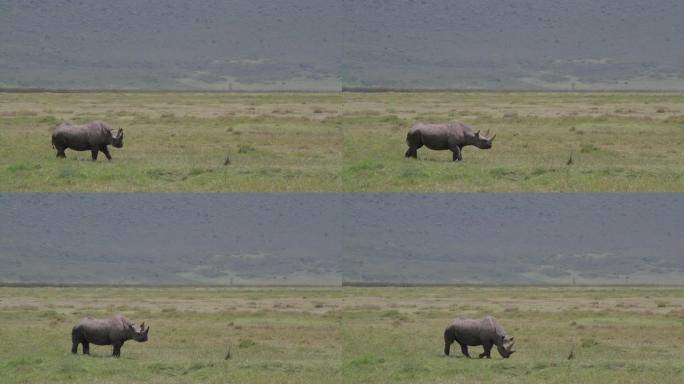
(81, 137)
(475, 331)
(440, 136)
(99, 331)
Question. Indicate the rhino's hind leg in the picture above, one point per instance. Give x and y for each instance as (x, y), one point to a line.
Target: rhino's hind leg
(412, 152)
(464, 350)
(94, 152)
(75, 341)
(86, 348)
(60, 153)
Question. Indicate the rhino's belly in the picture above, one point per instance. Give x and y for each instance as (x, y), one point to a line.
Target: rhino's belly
(435, 142)
(437, 146)
(98, 339)
(78, 146)
(469, 340)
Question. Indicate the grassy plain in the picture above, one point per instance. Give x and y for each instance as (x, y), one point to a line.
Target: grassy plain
(347, 142)
(273, 336)
(350, 335)
(175, 142)
(569, 142)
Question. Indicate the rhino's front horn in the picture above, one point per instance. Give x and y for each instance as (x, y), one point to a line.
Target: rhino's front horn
(492, 139)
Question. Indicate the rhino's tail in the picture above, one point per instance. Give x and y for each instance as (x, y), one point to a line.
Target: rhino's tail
(408, 138)
(449, 337)
(414, 139)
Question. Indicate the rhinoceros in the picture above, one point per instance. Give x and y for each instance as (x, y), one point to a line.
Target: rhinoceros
(452, 136)
(485, 331)
(114, 332)
(93, 137)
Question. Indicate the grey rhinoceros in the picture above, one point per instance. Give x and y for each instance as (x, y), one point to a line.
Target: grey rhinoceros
(452, 136)
(93, 137)
(114, 332)
(485, 331)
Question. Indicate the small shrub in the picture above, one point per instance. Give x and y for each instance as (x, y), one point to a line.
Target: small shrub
(589, 342)
(246, 343)
(245, 148)
(588, 148)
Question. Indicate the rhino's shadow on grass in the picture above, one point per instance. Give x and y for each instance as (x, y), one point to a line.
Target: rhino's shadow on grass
(446, 160)
(101, 356)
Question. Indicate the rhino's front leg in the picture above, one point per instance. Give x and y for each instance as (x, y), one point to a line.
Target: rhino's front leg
(106, 152)
(456, 153)
(464, 350)
(487, 351)
(94, 152)
(116, 348)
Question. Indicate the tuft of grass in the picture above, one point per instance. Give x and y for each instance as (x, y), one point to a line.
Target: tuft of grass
(588, 148)
(245, 148)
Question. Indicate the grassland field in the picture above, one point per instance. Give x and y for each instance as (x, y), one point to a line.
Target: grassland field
(347, 142)
(346, 335)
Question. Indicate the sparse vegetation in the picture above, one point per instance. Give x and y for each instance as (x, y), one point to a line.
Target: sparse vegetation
(350, 335)
(534, 130)
(347, 142)
(174, 142)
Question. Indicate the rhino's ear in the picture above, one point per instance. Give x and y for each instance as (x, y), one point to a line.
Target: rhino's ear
(142, 326)
(477, 134)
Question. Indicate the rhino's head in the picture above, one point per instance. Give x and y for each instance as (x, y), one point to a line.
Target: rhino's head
(139, 333)
(483, 142)
(506, 348)
(117, 138)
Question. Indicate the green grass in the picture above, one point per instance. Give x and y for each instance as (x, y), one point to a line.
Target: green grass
(617, 142)
(351, 335)
(175, 142)
(617, 335)
(271, 335)
(347, 142)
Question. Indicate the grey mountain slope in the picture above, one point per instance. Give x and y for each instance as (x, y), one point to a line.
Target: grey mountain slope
(313, 44)
(522, 44)
(514, 238)
(325, 239)
(167, 44)
(169, 239)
